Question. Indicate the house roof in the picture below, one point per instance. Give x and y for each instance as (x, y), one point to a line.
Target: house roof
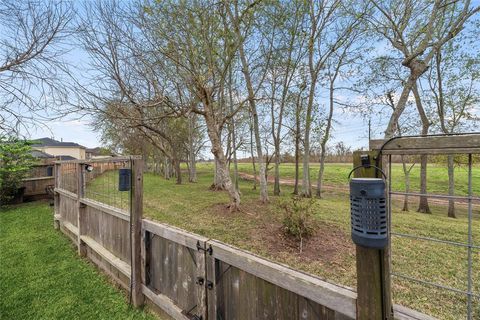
(48, 142)
(65, 158)
(95, 151)
(41, 154)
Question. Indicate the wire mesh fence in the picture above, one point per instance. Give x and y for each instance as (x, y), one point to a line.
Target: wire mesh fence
(107, 180)
(451, 259)
(103, 182)
(67, 176)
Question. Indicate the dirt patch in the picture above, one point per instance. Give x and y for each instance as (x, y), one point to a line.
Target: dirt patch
(328, 244)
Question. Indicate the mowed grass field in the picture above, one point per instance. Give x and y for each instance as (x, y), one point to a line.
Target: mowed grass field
(336, 175)
(41, 276)
(330, 253)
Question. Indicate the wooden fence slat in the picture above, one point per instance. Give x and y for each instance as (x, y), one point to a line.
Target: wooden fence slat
(119, 213)
(467, 143)
(121, 265)
(136, 231)
(201, 272)
(173, 234)
(165, 303)
(327, 294)
(213, 302)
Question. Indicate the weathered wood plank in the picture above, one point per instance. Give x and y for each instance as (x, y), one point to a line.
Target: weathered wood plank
(286, 304)
(468, 143)
(173, 234)
(403, 313)
(266, 305)
(332, 296)
(165, 303)
(200, 271)
(66, 193)
(136, 231)
(70, 227)
(213, 294)
(121, 265)
(118, 213)
(101, 264)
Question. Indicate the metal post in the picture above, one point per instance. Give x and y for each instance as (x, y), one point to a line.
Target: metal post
(56, 197)
(82, 247)
(470, 242)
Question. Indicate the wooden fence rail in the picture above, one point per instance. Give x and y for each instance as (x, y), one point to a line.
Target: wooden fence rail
(191, 277)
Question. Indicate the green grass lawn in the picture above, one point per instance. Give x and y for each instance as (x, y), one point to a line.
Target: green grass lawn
(330, 254)
(41, 276)
(336, 175)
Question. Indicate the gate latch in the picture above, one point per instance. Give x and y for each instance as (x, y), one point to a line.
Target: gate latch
(209, 250)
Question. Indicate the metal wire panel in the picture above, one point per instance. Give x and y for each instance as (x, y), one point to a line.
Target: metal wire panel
(102, 183)
(470, 296)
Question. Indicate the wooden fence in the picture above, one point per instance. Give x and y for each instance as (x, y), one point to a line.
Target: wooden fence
(189, 276)
(39, 179)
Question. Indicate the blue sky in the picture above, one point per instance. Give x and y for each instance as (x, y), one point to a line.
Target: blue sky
(350, 128)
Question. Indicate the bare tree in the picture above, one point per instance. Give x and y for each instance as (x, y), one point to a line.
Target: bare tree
(32, 44)
(328, 31)
(453, 92)
(417, 30)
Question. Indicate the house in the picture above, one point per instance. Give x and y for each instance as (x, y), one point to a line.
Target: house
(99, 153)
(59, 149)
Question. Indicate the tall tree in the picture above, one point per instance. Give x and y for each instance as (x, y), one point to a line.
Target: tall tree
(329, 27)
(417, 30)
(32, 66)
(454, 94)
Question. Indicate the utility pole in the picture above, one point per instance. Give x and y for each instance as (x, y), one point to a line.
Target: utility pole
(369, 130)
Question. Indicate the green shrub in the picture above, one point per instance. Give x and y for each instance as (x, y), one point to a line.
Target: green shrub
(15, 163)
(298, 220)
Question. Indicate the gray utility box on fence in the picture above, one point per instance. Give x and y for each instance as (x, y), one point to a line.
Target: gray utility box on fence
(368, 208)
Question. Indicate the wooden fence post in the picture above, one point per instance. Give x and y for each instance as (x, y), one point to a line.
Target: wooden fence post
(56, 198)
(374, 299)
(82, 248)
(136, 212)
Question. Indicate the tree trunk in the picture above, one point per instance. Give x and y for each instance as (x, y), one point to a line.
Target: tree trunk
(406, 172)
(306, 185)
(320, 173)
(253, 160)
(222, 172)
(178, 171)
(297, 147)
(217, 178)
(235, 160)
(326, 136)
(416, 70)
(276, 187)
(253, 110)
(192, 172)
(234, 135)
(166, 169)
(423, 206)
(451, 187)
